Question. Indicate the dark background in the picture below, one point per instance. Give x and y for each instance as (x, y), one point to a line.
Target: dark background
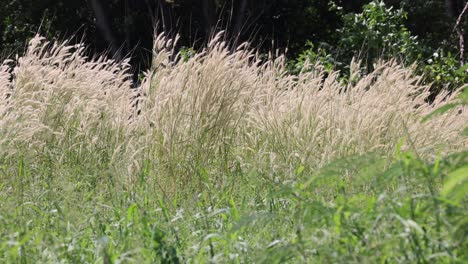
(125, 27)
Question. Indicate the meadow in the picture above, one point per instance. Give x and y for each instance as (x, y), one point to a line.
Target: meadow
(225, 157)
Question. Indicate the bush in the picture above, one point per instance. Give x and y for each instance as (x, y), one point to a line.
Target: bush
(444, 71)
(379, 33)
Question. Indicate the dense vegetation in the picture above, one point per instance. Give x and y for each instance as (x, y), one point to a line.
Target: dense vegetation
(416, 31)
(223, 153)
(222, 157)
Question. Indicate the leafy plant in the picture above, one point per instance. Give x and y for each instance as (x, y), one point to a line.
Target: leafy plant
(443, 71)
(377, 33)
(186, 53)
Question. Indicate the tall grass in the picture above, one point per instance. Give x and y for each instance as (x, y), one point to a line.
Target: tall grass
(218, 129)
(216, 108)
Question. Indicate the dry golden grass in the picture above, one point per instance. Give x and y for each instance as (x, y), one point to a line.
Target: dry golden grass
(215, 109)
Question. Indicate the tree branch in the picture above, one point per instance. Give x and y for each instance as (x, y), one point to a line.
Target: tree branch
(459, 31)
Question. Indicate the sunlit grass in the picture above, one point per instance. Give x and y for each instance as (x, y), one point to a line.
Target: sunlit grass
(223, 157)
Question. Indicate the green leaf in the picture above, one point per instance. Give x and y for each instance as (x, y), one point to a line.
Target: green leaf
(455, 186)
(132, 214)
(462, 70)
(299, 170)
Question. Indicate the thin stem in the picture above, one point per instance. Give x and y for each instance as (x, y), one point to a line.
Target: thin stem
(459, 31)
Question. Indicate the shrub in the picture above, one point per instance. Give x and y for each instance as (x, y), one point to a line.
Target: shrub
(444, 71)
(379, 32)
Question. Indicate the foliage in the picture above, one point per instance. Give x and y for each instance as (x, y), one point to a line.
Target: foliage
(187, 53)
(223, 157)
(444, 71)
(20, 20)
(408, 30)
(317, 56)
(376, 33)
(287, 24)
(379, 32)
(432, 21)
(395, 215)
